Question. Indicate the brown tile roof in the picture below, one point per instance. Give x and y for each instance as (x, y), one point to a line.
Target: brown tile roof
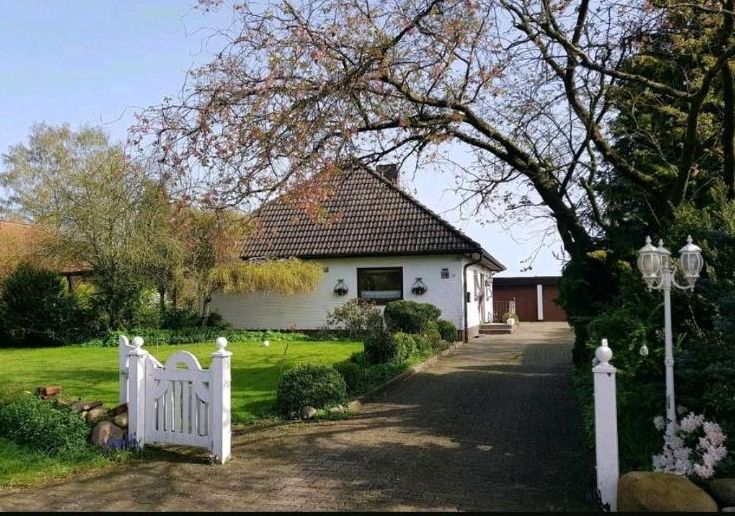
(20, 241)
(363, 215)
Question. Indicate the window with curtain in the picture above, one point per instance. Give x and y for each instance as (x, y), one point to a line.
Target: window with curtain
(380, 285)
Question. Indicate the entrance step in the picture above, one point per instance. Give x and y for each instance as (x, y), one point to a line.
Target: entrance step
(496, 328)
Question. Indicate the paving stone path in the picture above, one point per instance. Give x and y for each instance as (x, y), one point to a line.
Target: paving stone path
(492, 427)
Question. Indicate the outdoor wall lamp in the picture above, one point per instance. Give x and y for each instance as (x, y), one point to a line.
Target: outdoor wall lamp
(341, 288)
(659, 273)
(419, 287)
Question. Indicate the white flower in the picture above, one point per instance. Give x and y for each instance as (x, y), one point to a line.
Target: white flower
(713, 433)
(266, 343)
(680, 459)
(703, 471)
(692, 422)
(659, 422)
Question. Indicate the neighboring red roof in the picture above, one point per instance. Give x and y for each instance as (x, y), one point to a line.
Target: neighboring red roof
(364, 215)
(19, 241)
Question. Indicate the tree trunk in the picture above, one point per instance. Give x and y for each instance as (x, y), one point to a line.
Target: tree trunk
(206, 307)
(728, 130)
(162, 301)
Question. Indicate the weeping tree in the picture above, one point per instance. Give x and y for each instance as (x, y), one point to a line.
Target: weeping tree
(213, 239)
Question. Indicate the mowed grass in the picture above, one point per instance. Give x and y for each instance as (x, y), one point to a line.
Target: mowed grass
(92, 373)
(20, 466)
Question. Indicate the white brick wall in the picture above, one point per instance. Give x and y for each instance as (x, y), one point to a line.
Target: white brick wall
(308, 311)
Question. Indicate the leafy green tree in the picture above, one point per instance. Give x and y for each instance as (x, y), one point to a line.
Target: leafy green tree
(90, 198)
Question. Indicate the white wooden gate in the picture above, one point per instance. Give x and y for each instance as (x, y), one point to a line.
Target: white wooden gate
(177, 402)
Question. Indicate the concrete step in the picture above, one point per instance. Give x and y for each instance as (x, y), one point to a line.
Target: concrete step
(496, 329)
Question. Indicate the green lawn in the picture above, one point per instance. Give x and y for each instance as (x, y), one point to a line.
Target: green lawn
(92, 373)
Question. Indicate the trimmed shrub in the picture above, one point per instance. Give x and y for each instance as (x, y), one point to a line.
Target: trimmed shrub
(447, 330)
(431, 332)
(378, 348)
(320, 386)
(409, 316)
(423, 346)
(385, 348)
(178, 318)
(403, 347)
(44, 425)
(352, 373)
(440, 345)
(358, 357)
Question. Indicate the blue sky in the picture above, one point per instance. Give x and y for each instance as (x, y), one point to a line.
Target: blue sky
(98, 62)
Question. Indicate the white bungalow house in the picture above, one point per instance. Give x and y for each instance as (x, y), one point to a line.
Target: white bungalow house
(378, 243)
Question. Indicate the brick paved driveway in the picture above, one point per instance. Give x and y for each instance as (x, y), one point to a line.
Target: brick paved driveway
(492, 427)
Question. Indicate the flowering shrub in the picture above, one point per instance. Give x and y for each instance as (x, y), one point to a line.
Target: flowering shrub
(696, 449)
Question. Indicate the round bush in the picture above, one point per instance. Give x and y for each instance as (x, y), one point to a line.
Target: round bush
(44, 426)
(320, 386)
(403, 347)
(423, 345)
(447, 330)
(431, 332)
(409, 316)
(352, 373)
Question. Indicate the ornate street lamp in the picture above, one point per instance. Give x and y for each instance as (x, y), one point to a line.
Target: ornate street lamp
(659, 273)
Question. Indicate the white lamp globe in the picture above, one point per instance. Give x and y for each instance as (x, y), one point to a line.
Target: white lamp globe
(649, 262)
(691, 260)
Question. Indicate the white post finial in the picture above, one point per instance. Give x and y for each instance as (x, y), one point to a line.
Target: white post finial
(137, 342)
(604, 353)
(221, 344)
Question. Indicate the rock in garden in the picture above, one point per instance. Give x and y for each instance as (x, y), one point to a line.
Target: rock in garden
(97, 414)
(643, 491)
(81, 406)
(48, 391)
(339, 409)
(723, 490)
(104, 432)
(728, 509)
(308, 412)
(121, 420)
(120, 409)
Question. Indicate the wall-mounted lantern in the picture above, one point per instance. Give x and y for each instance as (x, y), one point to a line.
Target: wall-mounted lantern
(419, 288)
(341, 288)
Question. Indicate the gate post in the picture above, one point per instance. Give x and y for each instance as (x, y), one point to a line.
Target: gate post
(123, 350)
(221, 401)
(606, 428)
(136, 392)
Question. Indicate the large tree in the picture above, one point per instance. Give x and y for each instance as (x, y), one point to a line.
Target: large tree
(523, 85)
(92, 201)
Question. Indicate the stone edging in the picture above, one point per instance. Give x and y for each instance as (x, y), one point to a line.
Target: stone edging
(356, 404)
